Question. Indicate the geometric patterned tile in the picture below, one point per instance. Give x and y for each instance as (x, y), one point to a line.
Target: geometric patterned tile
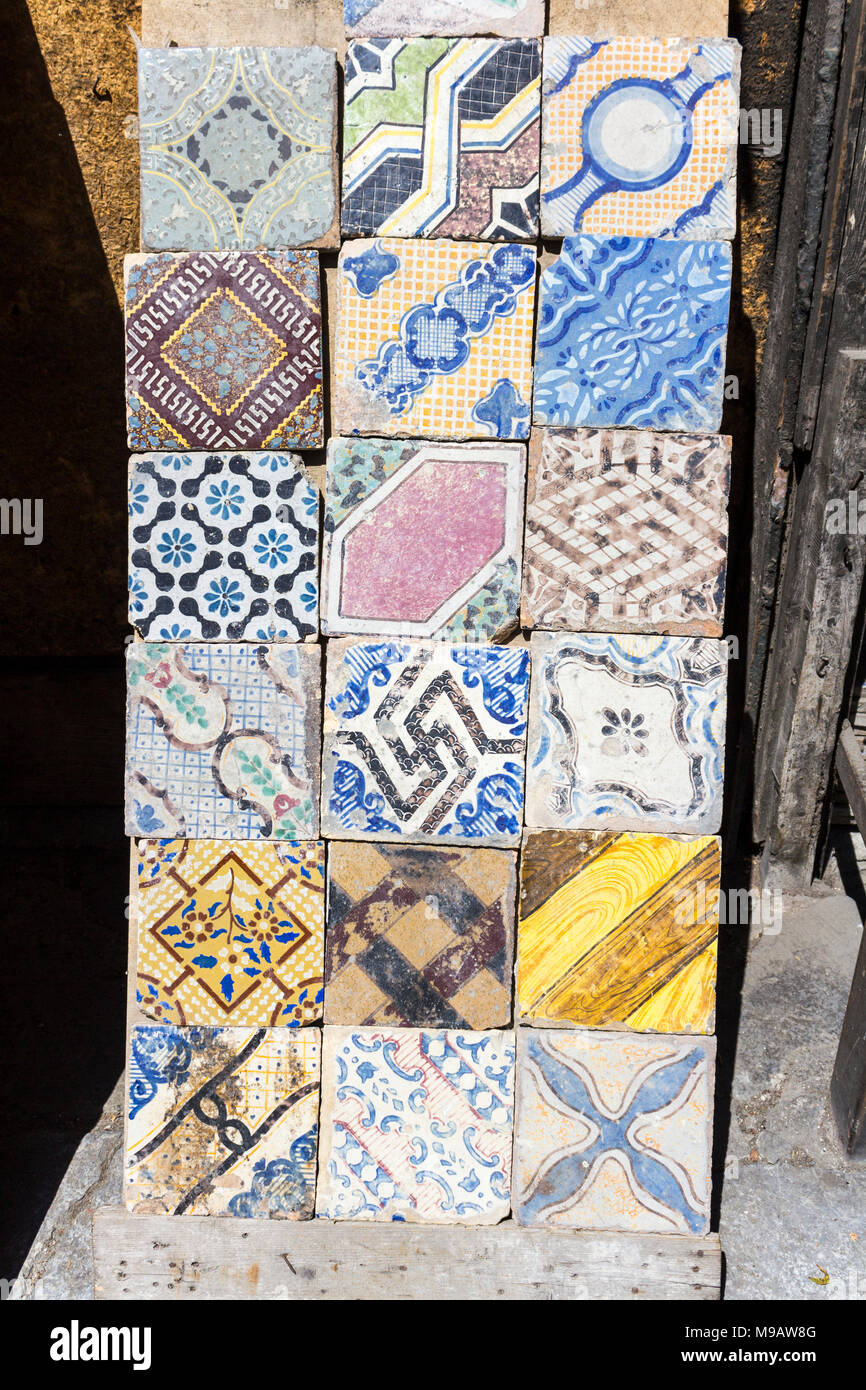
(222, 741)
(222, 547)
(416, 1126)
(434, 339)
(230, 933)
(521, 17)
(237, 147)
(613, 1131)
(223, 1121)
(632, 333)
(424, 742)
(618, 931)
(422, 540)
(441, 138)
(626, 531)
(626, 733)
(223, 351)
(640, 137)
(419, 935)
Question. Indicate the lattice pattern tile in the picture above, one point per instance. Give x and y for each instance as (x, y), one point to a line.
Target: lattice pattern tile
(640, 136)
(223, 1121)
(626, 531)
(422, 540)
(511, 17)
(416, 1126)
(419, 935)
(222, 741)
(442, 138)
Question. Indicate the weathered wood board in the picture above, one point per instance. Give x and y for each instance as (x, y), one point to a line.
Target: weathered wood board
(190, 23)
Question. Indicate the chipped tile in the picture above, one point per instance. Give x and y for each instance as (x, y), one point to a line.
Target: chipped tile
(626, 733)
(237, 147)
(230, 932)
(223, 547)
(441, 138)
(224, 351)
(419, 935)
(613, 1131)
(632, 333)
(434, 339)
(640, 137)
(422, 540)
(424, 742)
(222, 741)
(416, 1126)
(524, 18)
(618, 931)
(627, 531)
(222, 1121)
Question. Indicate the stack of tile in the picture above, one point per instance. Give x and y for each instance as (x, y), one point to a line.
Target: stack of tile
(516, 889)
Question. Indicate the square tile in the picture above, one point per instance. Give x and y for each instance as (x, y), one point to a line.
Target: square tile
(223, 547)
(627, 531)
(424, 742)
(632, 333)
(237, 147)
(223, 1121)
(613, 1131)
(416, 1125)
(434, 339)
(640, 137)
(423, 540)
(230, 932)
(420, 936)
(618, 931)
(224, 351)
(626, 733)
(520, 17)
(222, 741)
(441, 138)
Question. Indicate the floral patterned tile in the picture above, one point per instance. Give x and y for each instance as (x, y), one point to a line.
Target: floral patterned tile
(434, 339)
(224, 351)
(424, 742)
(520, 17)
(416, 1126)
(627, 733)
(223, 547)
(421, 539)
(640, 137)
(223, 1121)
(632, 334)
(613, 1131)
(441, 138)
(230, 933)
(237, 147)
(222, 741)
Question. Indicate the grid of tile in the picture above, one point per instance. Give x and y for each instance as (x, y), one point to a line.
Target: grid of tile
(488, 989)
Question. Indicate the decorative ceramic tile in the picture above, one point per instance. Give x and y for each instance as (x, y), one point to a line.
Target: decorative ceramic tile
(230, 933)
(632, 333)
(627, 531)
(222, 741)
(520, 17)
(434, 338)
(424, 742)
(223, 1121)
(613, 1131)
(223, 547)
(237, 147)
(441, 138)
(223, 351)
(422, 540)
(640, 136)
(419, 936)
(416, 1126)
(618, 930)
(627, 733)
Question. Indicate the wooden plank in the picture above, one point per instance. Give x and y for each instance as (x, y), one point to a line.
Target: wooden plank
(660, 18)
(269, 23)
(852, 774)
(158, 1257)
(848, 1085)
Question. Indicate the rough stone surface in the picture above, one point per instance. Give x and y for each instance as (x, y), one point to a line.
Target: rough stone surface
(520, 17)
(600, 18)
